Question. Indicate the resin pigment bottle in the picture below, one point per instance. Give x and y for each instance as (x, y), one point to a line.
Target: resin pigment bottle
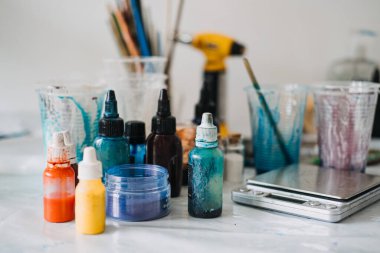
(163, 147)
(90, 195)
(206, 172)
(59, 183)
(110, 145)
(135, 135)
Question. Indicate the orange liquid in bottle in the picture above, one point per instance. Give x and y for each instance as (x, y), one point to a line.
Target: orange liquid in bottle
(59, 185)
(59, 209)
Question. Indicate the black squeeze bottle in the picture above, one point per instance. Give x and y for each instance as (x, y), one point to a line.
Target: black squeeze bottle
(163, 147)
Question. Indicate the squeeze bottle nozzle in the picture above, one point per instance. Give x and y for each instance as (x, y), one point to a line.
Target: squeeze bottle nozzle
(163, 109)
(57, 151)
(206, 131)
(110, 110)
(89, 167)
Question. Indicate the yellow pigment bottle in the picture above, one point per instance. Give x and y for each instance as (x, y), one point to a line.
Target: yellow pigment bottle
(90, 208)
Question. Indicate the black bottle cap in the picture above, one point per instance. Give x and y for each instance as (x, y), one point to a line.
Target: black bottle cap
(111, 125)
(135, 132)
(163, 122)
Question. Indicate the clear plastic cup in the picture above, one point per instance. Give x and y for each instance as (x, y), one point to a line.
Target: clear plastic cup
(137, 83)
(74, 108)
(344, 116)
(287, 105)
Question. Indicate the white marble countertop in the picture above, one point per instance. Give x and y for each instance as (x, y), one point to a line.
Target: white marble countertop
(239, 229)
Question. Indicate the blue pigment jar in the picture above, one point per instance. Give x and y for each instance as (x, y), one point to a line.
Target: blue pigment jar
(137, 192)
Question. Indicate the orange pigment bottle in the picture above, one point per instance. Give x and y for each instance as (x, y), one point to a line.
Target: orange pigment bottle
(59, 183)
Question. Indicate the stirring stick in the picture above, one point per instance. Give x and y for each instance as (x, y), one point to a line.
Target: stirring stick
(267, 111)
(170, 52)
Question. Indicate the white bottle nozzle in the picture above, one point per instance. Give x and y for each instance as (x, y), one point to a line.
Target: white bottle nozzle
(89, 167)
(207, 121)
(72, 153)
(57, 151)
(207, 133)
(57, 140)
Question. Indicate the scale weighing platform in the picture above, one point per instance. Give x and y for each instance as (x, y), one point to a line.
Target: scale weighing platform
(310, 191)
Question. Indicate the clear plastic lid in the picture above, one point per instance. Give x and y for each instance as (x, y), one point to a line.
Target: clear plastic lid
(137, 178)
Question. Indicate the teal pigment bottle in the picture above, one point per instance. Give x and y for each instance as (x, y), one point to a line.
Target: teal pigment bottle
(163, 147)
(206, 160)
(110, 145)
(135, 136)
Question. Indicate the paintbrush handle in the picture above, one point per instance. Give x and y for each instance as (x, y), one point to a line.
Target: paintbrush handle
(272, 122)
(126, 34)
(268, 112)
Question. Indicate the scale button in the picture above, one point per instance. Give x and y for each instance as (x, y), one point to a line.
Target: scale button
(244, 190)
(314, 203)
(330, 206)
(258, 193)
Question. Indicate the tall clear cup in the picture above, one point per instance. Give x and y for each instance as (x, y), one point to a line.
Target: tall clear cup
(137, 83)
(287, 105)
(75, 108)
(344, 116)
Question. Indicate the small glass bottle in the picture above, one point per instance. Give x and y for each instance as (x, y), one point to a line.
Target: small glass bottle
(234, 159)
(110, 145)
(163, 147)
(90, 195)
(135, 135)
(59, 183)
(205, 197)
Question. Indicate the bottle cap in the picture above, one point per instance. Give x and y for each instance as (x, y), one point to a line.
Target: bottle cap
(207, 133)
(135, 132)
(57, 151)
(111, 125)
(71, 149)
(163, 122)
(89, 168)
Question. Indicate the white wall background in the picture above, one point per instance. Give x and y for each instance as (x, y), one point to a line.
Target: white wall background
(287, 41)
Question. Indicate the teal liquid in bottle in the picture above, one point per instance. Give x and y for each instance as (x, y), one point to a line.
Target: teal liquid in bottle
(205, 195)
(110, 145)
(135, 136)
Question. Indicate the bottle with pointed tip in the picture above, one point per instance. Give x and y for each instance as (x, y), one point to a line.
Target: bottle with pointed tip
(90, 205)
(110, 145)
(163, 147)
(58, 182)
(206, 164)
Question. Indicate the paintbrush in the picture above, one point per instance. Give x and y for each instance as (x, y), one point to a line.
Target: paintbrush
(173, 41)
(126, 34)
(119, 37)
(267, 111)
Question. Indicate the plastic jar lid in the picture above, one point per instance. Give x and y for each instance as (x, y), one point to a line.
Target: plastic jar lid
(137, 192)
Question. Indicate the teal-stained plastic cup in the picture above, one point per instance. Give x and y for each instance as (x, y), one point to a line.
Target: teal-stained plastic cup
(73, 108)
(287, 106)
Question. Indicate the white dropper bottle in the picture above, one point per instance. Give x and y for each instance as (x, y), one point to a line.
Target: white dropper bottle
(90, 208)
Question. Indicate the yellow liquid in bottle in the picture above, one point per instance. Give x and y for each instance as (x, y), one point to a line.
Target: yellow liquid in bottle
(90, 207)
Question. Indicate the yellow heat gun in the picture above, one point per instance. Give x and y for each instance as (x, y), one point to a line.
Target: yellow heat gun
(216, 48)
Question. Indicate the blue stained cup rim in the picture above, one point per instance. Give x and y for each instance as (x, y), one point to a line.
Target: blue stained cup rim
(69, 90)
(285, 87)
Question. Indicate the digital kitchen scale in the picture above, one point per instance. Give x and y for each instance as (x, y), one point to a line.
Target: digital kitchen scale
(310, 191)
